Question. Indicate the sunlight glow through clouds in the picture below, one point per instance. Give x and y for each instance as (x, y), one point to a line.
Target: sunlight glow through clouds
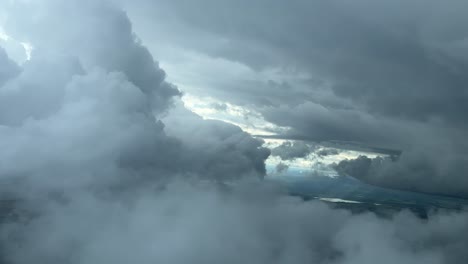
(16, 50)
(253, 123)
(204, 80)
(3, 36)
(248, 120)
(28, 48)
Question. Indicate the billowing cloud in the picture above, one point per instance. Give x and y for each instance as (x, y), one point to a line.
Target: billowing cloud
(84, 111)
(291, 150)
(214, 148)
(112, 46)
(203, 224)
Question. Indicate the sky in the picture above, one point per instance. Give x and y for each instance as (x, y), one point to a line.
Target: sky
(382, 74)
(141, 131)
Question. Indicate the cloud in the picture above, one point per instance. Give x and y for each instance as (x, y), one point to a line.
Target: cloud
(384, 74)
(205, 224)
(106, 166)
(414, 171)
(281, 168)
(88, 116)
(327, 152)
(291, 150)
(214, 148)
(370, 58)
(8, 69)
(112, 46)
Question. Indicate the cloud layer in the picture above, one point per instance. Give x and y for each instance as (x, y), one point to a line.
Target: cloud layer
(202, 224)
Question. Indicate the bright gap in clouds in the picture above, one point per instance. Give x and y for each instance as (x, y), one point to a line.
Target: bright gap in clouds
(28, 48)
(253, 123)
(3, 36)
(249, 120)
(196, 73)
(18, 51)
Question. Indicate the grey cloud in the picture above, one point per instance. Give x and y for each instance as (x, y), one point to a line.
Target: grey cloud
(440, 173)
(387, 60)
(219, 106)
(15, 50)
(214, 148)
(260, 93)
(8, 68)
(318, 123)
(103, 131)
(431, 157)
(281, 168)
(327, 152)
(384, 59)
(112, 46)
(291, 150)
(85, 117)
(204, 224)
(34, 87)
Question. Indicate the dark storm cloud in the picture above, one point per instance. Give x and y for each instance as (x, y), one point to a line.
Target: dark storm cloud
(387, 74)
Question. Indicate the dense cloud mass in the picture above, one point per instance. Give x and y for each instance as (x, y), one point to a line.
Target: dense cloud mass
(105, 165)
(388, 74)
(83, 112)
(215, 149)
(93, 109)
(201, 224)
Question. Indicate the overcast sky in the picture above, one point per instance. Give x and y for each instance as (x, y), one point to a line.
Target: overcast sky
(123, 122)
(387, 74)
